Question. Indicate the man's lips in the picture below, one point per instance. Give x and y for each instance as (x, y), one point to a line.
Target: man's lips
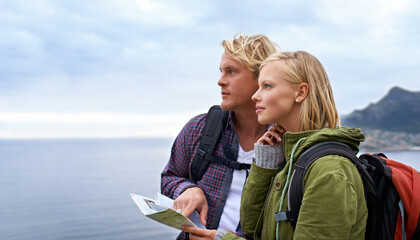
(225, 94)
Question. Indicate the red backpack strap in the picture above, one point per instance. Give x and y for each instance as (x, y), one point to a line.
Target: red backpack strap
(407, 182)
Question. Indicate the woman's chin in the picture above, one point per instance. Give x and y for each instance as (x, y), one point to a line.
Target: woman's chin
(263, 120)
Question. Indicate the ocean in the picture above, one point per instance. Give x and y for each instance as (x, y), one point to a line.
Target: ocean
(79, 189)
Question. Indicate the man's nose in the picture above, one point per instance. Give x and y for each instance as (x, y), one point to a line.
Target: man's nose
(222, 81)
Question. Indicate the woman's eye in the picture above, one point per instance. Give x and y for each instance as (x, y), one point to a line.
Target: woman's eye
(267, 85)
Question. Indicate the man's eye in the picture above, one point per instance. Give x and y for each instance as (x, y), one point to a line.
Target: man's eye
(231, 72)
(267, 86)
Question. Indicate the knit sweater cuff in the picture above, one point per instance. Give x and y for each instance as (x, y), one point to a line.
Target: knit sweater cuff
(267, 156)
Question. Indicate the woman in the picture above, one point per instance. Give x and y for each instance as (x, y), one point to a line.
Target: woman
(295, 94)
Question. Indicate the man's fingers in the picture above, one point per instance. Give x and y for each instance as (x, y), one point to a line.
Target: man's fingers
(191, 199)
(176, 206)
(187, 210)
(203, 214)
(179, 204)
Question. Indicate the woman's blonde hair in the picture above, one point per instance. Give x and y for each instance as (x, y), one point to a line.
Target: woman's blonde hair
(318, 109)
(250, 50)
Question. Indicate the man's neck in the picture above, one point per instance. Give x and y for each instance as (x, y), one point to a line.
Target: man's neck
(247, 128)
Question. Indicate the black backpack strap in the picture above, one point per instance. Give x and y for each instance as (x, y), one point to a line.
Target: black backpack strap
(301, 167)
(215, 122)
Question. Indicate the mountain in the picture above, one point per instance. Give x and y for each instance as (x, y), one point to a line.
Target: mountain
(398, 111)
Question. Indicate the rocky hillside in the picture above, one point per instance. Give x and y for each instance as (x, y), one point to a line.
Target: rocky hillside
(398, 111)
(391, 124)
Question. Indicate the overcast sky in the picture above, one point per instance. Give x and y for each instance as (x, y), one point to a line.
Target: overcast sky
(127, 68)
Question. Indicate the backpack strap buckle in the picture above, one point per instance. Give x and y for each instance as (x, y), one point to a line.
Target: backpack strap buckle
(237, 165)
(283, 216)
(201, 153)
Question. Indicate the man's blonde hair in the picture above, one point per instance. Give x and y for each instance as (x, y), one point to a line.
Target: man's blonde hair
(318, 109)
(250, 50)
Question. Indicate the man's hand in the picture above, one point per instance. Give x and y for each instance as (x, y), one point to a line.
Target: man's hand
(191, 199)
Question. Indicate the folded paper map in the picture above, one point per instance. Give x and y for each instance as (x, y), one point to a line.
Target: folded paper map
(160, 209)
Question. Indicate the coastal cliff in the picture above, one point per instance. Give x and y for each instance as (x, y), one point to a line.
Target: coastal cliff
(391, 124)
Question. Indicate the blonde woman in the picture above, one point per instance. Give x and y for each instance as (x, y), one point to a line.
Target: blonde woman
(295, 95)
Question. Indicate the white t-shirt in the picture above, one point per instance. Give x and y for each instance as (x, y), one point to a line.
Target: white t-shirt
(230, 216)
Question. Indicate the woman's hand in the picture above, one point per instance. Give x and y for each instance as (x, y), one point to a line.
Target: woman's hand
(272, 136)
(200, 234)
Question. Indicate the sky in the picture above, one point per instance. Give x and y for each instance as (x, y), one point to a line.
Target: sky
(143, 68)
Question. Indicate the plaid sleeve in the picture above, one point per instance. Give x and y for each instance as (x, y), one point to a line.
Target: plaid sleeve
(175, 178)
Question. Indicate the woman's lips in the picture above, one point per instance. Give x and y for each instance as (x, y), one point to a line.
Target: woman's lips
(258, 109)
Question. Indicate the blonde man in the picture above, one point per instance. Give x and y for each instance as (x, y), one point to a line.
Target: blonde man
(217, 195)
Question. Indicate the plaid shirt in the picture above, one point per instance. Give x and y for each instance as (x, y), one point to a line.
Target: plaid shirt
(176, 177)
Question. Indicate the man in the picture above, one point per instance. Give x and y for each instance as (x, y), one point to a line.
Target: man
(217, 195)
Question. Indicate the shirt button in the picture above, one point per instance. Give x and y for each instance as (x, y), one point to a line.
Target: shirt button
(277, 185)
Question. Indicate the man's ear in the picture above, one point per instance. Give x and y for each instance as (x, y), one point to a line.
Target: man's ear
(302, 92)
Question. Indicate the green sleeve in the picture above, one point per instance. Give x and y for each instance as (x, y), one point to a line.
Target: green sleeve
(229, 236)
(253, 197)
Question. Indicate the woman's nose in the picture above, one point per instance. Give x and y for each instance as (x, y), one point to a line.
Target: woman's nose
(256, 97)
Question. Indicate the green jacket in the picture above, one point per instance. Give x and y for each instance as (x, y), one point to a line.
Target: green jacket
(333, 205)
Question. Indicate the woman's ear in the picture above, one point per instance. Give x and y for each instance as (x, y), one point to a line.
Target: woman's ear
(302, 91)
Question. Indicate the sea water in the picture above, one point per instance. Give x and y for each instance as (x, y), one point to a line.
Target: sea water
(411, 158)
(79, 189)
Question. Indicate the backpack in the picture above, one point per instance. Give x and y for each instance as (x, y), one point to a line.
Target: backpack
(392, 191)
(212, 133)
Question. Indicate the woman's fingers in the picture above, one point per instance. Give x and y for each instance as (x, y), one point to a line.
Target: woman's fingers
(198, 233)
(265, 139)
(272, 136)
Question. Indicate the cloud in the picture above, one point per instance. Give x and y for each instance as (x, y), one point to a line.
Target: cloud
(161, 57)
(363, 45)
(375, 30)
(90, 125)
(114, 93)
(385, 14)
(117, 56)
(156, 13)
(90, 118)
(45, 37)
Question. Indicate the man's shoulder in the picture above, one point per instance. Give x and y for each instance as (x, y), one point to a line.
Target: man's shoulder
(198, 118)
(197, 122)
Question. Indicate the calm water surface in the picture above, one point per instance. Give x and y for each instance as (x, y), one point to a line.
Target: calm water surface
(79, 189)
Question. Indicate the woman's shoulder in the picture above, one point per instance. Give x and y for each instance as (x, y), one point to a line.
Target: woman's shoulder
(333, 166)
